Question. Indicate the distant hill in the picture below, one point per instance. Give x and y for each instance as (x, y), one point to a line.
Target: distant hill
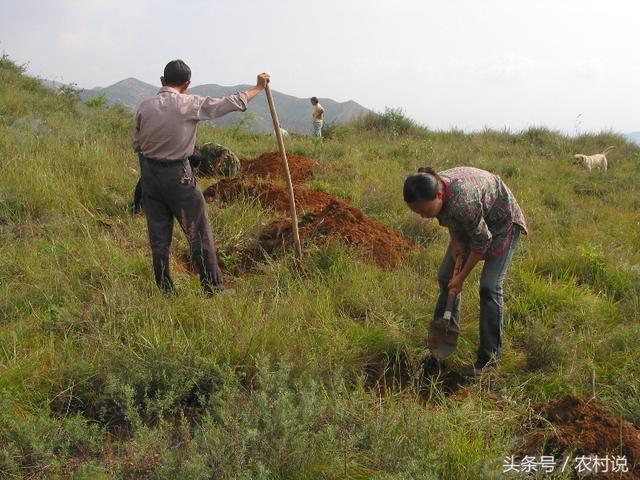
(294, 113)
(633, 137)
(128, 92)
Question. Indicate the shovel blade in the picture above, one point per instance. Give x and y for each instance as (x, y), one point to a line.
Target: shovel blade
(442, 339)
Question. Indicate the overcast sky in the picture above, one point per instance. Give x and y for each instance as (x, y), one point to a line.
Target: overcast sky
(450, 63)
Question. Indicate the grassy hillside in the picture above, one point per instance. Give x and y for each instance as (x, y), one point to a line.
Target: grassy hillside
(297, 374)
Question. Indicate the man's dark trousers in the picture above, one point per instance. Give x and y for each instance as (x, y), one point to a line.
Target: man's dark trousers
(194, 161)
(170, 191)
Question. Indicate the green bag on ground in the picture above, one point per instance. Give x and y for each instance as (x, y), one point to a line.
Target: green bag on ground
(217, 160)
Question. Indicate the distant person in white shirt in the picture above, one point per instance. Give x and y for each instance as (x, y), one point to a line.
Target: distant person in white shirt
(318, 117)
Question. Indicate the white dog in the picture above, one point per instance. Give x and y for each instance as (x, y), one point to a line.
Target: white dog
(283, 132)
(599, 160)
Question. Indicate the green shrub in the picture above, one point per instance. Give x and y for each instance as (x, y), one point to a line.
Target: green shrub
(392, 122)
(36, 444)
(132, 392)
(99, 101)
(543, 347)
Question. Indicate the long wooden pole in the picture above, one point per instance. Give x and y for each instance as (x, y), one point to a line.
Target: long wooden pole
(285, 164)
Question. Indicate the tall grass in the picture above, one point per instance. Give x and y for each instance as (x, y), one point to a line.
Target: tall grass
(297, 373)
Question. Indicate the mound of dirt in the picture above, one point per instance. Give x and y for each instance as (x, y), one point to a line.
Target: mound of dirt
(323, 217)
(269, 165)
(269, 195)
(339, 221)
(583, 427)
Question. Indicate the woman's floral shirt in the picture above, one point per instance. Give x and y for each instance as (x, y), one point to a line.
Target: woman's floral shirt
(480, 209)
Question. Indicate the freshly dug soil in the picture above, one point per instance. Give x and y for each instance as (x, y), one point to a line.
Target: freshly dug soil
(269, 195)
(339, 221)
(269, 165)
(584, 427)
(322, 218)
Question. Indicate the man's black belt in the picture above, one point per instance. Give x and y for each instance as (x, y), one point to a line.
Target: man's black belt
(163, 162)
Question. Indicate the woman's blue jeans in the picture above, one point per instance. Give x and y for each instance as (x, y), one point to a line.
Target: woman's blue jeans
(491, 299)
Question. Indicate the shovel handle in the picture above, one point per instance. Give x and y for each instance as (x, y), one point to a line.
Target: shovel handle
(452, 298)
(448, 309)
(456, 270)
(285, 164)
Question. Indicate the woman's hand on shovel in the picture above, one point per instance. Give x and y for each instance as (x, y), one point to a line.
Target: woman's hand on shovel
(455, 285)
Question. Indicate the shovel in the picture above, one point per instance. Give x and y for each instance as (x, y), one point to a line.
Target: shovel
(285, 164)
(443, 334)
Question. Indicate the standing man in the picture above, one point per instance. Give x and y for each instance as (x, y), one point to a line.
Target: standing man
(318, 117)
(164, 136)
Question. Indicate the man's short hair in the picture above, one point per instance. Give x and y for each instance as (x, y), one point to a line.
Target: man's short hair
(314, 99)
(176, 73)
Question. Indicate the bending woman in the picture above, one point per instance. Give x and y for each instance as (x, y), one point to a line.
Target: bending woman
(484, 222)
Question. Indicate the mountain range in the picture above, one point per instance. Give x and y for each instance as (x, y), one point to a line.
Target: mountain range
(294, 113)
